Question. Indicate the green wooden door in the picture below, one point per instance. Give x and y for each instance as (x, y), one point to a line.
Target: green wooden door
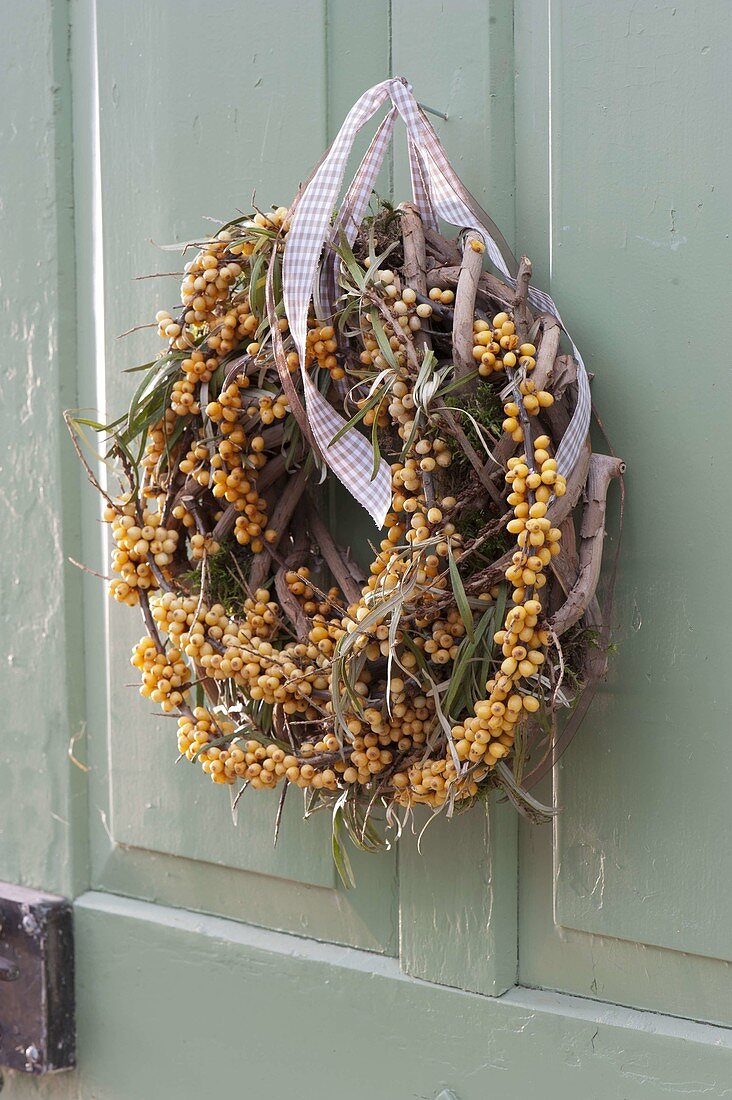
(629, 898)
(163, 833)
(493, 963)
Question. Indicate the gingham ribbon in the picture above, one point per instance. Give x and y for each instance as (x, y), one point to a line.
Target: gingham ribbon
(437, 191)
(353, 209)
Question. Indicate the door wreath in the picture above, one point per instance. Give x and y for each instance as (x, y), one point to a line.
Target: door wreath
(366, 348)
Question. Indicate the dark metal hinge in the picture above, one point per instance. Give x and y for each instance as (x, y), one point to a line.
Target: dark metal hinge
(37, 1028)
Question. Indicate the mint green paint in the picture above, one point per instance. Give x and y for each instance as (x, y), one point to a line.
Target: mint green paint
(604, 967)
(459, 59)
(628, 901)
(155, 807)
(457, 900)
(148, 809)
(666, 699)
(636, 214)
(142, 817)
(181, 1006)
(41, 672)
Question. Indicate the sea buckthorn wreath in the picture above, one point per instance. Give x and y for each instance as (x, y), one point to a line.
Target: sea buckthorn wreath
(434, 675)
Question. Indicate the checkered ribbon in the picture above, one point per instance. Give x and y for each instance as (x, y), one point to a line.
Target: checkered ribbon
(437, 191)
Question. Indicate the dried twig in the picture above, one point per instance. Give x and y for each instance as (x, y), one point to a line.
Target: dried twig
(341, 568)
(602, 470)
(471, 269)
(521, 313)
(472, 455)
(279, 523)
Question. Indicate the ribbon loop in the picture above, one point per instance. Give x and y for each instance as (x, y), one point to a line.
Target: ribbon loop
(437, 191)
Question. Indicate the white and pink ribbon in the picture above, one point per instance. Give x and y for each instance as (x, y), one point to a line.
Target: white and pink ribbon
(437, 192)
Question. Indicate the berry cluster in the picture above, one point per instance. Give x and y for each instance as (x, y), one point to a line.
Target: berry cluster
(407, 682)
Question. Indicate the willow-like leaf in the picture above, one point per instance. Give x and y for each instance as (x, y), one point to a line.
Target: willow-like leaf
(278, 815)
(340, 855)
(374, 268)
(238, 220)
(457, 384)
(215, 744)
(95, 425)
(357, 417)
(277, 282)
(382, 339)
(375, 450)
(142, 366)
(340, 675)
(158, 376)
(412, 435)
(257, 286)
(358, 823)
(522, 799)
(426, 384)
(499, 609)
(352, 265)
(461, 598)
(462, 663)
(339, 671)
(478, 428)
(170, 442)
(393, 631)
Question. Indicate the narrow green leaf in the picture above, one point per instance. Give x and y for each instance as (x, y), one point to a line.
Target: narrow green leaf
(382, 340)
(95, 424)
(375, 446)
(377, 262)
(257, 286)
(522, 799)
(357, 417)
(340, 855)
(143, 366)
(461, 598)
(355, 270)
(445, 390)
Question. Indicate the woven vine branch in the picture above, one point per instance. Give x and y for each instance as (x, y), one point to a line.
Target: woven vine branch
(435, 674)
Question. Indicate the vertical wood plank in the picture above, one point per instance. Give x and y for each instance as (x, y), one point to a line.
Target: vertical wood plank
(153, 184)
(458, 898)
(192, 154)
(459, 59)
(41, 674)
(635, 221)
(357, 54)
(458, 915)
(531, 130)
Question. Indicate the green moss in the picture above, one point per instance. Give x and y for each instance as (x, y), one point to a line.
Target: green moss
(485, 407)
(471, 523)
(484, 404)
(224, 572)
(382, 228)
(575, 644)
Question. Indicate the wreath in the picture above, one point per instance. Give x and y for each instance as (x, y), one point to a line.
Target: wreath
(423, 666)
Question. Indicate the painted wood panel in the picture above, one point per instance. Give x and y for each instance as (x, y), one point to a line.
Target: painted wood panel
(200, 139)
(155, 820)
(201, 146)
(623, 191)
(298, 1019)
(42, 832)
(458, 894)
(459, 59)
(457, 898)
(616, 122)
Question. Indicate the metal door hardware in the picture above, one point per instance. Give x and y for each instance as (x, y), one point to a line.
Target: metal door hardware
(37, 1032)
